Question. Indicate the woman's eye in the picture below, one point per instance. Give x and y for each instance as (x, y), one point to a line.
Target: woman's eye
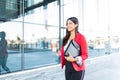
(70, 23)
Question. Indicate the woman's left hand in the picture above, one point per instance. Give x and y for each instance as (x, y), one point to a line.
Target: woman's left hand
(70, 58)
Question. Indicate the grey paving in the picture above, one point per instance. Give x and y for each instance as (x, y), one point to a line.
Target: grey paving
(110, 71)
(100, 68)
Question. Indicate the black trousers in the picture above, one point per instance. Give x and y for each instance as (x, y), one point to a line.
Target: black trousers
(74, 75)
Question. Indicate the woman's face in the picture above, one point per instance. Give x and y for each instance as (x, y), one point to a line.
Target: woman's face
(70, 25)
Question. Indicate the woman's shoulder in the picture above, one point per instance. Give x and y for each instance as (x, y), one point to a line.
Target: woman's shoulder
(79, 35)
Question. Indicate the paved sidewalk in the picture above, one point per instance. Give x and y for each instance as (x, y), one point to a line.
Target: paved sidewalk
(101, 68)
(111, 72)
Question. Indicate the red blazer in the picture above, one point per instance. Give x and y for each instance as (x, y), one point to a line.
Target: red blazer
(80, 39)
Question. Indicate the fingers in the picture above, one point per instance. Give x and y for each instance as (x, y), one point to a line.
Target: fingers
(69, 54)
(69, 58)
(66, 58)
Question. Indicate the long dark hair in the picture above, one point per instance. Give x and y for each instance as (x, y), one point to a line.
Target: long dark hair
(75, 21)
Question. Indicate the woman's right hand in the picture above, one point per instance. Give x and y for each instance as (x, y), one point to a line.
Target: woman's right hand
(70, 58)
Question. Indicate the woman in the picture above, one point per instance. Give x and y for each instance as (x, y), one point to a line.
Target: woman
(73, 71)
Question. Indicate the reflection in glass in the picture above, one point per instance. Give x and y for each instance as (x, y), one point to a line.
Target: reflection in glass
(3, 53)
(13, 37)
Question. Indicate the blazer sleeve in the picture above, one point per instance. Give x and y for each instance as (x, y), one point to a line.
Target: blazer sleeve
(84, 48)
(62, 57)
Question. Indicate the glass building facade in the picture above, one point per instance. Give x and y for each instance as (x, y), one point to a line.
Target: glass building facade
(35, 28)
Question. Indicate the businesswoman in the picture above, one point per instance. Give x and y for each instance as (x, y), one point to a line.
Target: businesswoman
(74, 67)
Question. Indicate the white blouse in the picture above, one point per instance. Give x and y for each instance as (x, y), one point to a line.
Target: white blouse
(65, 47)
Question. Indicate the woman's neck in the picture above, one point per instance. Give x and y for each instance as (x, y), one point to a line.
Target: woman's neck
(72, 35)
